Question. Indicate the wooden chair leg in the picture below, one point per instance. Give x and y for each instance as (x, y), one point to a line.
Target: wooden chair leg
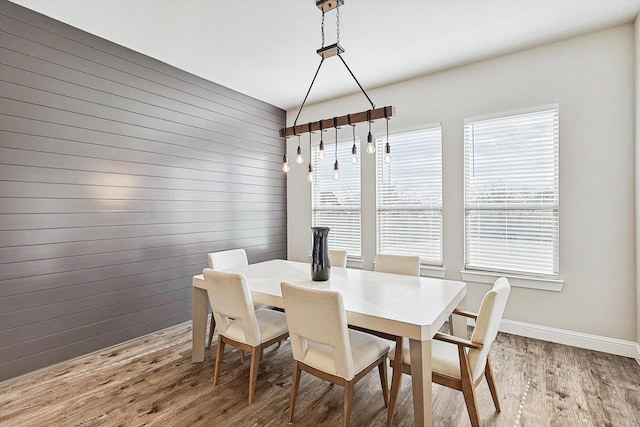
(295, 384)
(382, 369)
(348, 397)
(396, 378)
(212, 326)
(253, 372)
(219, 355)
(491, 381)
(468, 390)
(241, 356)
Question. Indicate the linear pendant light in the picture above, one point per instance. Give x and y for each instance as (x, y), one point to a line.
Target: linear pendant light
(352, 119)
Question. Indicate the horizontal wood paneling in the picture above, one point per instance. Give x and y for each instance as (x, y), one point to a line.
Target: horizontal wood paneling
(118, 173)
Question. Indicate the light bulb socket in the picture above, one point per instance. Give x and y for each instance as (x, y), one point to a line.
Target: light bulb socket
(354, 150)
(387, 149)
(310, 168)
(369, 138)
(321, 148)
(336, 166)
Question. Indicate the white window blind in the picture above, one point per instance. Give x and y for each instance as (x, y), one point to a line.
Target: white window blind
(511, 193)
(336, 203)
(410, 195)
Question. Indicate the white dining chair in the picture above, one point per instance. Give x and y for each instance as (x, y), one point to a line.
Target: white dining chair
(239, 323)
(323, 346)
(337, 258)
(226, 260)
(460, 363)
(408, 265)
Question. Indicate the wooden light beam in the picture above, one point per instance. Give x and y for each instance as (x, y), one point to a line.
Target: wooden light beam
(377, 113)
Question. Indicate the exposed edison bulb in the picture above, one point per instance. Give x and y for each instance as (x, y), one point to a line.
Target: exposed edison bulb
(299, 158)
(387, 154)
(285, 165)
(310, 174)
(354, 154)
(370, 147)
(321, 150)
(336, 170)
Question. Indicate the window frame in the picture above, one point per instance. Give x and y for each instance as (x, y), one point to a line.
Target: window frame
(344, 161)
(537, 280)
(430, 265)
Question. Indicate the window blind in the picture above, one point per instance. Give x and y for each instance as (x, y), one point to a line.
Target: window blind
(336, 203)
(512, 193)
(409, 195)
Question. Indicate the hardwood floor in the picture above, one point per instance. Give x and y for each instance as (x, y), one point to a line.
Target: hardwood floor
(151, 381)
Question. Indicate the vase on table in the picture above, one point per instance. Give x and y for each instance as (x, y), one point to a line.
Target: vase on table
(320, 266)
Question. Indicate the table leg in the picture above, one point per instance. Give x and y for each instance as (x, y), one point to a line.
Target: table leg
(199, 314)
(459, 323)
(421, 381)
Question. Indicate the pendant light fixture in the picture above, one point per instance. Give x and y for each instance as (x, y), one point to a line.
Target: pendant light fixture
(371, 148)
(369, 115)
(387, 147)
(310, 174)
(321, 147)
(354, 149)
(285, 163)
(336, 167)
(299, 158)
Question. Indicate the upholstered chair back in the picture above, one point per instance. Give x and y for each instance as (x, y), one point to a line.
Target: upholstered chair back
(233, 309)
(227, 260)
(338, 258)
(487, 323)
(318, 330)
(398, 264)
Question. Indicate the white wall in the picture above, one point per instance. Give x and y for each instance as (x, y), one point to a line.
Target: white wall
(592, 79)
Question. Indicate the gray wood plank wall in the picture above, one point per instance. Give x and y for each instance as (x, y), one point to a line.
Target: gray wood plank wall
(118, 173)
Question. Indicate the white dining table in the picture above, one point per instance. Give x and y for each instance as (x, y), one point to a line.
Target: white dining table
(407, 306)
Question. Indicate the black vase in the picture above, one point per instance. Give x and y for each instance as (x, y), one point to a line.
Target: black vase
(320, 265)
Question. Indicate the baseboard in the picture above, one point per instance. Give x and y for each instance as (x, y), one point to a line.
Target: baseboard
(572, 338)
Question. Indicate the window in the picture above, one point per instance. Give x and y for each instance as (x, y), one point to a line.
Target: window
(511, 193)
(336, 203)
(410, 195)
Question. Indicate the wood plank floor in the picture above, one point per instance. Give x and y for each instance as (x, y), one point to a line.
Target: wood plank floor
(151, 381)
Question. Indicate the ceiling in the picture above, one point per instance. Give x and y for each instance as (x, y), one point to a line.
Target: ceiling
(266, 49)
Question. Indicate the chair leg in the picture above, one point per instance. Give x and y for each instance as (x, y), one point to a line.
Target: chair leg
(219, 355)
(212, 326)
(491, 381)
(295, 384)
(468, 390)
(396, 378)
(253, 371)
(382, 369)
(348, 397)
(241, 356)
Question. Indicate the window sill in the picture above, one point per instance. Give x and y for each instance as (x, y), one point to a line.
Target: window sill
(516, 281)
(355, 263)
(433, 271)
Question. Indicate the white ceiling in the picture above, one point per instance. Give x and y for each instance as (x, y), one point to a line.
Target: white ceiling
(266, 48)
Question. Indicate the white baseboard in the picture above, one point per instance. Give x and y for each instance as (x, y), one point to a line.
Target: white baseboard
(572, 338)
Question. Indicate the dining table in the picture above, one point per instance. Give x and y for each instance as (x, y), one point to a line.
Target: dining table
(391, 304)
